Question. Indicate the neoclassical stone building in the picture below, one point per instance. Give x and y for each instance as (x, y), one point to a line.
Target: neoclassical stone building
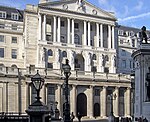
(81, 32)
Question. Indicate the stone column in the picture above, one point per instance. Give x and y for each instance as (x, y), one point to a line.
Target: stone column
(72, 31)
(59, 98)
(113, 37)
(97, 34)
(44, 28)
(85, 34)
(58, 30)
(54, 29)
(101, 31)
(40, 27)
(74, 99)
(127, 102)
(109, 36)
(89, 34)
(90, 103)
(103, 102)
(116, 102)
(68, 31)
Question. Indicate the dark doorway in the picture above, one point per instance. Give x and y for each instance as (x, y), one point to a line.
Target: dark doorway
(96, 109)
(82, 104)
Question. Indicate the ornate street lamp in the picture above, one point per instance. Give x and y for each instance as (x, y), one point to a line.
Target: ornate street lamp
(66, 69)
(37, 82)
(37, 111)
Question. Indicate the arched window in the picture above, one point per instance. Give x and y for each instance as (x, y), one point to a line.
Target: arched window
(106, 58)
(76, 39)
(64, 54)
(1, 67)
(13, 67)
(50, 52)
(94, 57)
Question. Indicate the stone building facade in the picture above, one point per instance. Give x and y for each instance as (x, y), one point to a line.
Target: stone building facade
(81, 32)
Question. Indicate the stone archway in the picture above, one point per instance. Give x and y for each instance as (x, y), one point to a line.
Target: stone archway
(96, 109)
(82, 104)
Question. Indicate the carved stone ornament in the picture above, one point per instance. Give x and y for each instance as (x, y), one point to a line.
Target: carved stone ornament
(65, 6)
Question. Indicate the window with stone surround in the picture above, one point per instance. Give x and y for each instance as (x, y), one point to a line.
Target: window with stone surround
(1, 52)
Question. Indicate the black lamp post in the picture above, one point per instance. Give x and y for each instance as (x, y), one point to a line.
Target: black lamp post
(66, 69)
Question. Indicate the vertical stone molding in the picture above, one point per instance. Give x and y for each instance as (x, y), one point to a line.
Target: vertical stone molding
(116, 102)
(74, 91)
(72, 31)
(103, 101)
(101, 31)
(59, 94)
(97, 34)
(44, 27)
(68, 31)
(113, 37)
(40, 27)
(127, 102)
(90, 102)
(85, 33)
(109, 37)
(54, 29)
(89, 34)
(58, 30)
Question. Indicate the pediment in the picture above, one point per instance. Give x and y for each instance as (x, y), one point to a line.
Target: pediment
(80, 6)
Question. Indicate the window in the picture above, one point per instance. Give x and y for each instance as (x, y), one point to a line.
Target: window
(51, 90)
(50, 65)
(133, 43)
(2, 26)
(106, 69)
(1, 67)
(121, 41)
(14, 27)
(2, 14)
(62, 23)
(62, 39)
(50, 52)
(76, 25)
(1, 38)
(94, 57)
(1, 52)
(76, 39)
(123, 64)
(14, 40)
(14, 53)
(123, 53)
(14, 16)
(91, 27)
(13, 67)
(120, 32)
(64, 53)
(97, 92)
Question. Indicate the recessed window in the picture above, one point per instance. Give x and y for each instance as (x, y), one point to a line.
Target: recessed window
(14, 16)
(1, 52)
(133, 43)
(2, 14)
(50, 65)
(64, 53)
(51, 90)
(50, 52)
(76, 39)
(14, 53)
(62, 23)
(1, 38)
(120, 32)
(123, 64)
(14, 27)
(121, 41)
(14, 40)
(94, 57)
(2, 26)
(76, 25)
(123, 53)
(97, 92)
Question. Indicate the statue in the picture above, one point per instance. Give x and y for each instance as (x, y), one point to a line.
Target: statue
(143, 35)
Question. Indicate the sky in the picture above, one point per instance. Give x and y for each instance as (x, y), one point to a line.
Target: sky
(132, 13)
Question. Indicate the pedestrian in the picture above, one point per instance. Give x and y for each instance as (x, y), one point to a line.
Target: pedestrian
(79, 116)
(72, 117)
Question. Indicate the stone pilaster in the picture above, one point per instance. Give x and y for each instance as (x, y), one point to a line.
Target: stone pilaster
(116, 101)
(103, 102)
(72, 31)
(89, 34)
(68, 31)
(97, 34)
(85, 34)
(101, 31)
(58, 30)
(54, 28)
